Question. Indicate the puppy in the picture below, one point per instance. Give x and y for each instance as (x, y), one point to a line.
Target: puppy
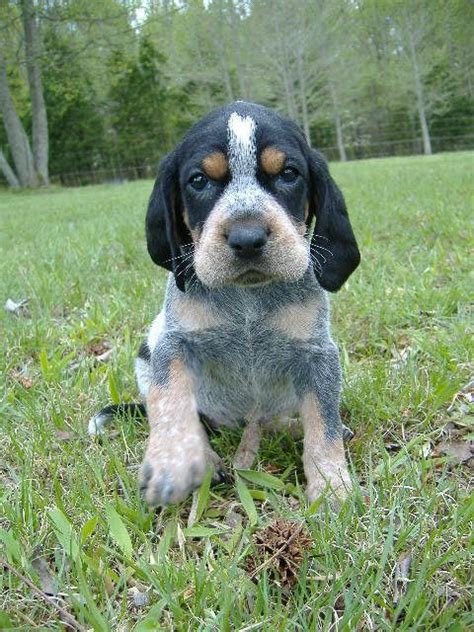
(243, 337)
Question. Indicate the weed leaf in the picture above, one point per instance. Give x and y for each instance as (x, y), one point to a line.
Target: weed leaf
(64, 532)
(5, 621)
(262, 478)
(88, 528)
(203, 532)
(118, 531)
(114, 394)
(246, 500)
(203, 495)
(12, 546)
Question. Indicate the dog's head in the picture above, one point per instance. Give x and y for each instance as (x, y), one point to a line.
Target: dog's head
(235, 201)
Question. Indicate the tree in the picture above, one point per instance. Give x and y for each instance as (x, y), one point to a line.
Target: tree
(138, 105)
(8, 172)
(38, 107)
(361, 77)
(76, 128)
(25, 174)
(30, 161)
(420, 58)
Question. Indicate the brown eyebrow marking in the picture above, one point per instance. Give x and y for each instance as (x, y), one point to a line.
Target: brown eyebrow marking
(272, 160)
(215, 165)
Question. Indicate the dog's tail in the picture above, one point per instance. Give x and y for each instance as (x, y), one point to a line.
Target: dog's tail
(107, 414)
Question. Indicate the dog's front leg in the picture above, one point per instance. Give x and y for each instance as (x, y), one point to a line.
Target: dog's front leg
(178, 452)
(324, 460)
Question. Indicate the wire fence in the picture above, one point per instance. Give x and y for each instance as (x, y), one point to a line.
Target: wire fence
(146, 168)
(112, 174)
(399, 147)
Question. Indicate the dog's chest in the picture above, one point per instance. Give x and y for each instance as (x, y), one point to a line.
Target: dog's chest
(247, 362)
(242, 370)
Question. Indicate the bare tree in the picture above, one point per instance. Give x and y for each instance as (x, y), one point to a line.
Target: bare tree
(419, 92)
(337, 121)
(17, 138)
(30, 160)
(332, 67)
(419, 47)
(281, 58)
(235, 23)
(220, 37)
(300, 67)
(38, 107)
(8, 172)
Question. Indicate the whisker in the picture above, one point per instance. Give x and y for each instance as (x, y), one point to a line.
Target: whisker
(186, 254)
(321, 248)
(194, 281)
(319, 254)
(188, 265)
(316, 263)
(316, 253)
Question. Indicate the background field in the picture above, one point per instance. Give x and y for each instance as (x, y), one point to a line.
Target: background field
(398, 553)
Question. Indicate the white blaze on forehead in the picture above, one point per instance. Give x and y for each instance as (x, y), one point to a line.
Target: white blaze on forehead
(242, 146)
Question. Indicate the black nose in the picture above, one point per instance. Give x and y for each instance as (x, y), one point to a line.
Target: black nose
(247, 241)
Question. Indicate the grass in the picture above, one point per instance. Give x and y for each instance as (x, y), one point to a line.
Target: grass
(403, 326)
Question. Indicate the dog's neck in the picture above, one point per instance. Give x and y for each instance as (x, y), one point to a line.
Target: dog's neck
(265, 295)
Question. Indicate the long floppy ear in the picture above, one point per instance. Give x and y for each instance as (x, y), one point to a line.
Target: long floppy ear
(333, 244)
(164, 225)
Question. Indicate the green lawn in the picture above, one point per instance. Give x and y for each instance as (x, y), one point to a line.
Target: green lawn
(404, 329)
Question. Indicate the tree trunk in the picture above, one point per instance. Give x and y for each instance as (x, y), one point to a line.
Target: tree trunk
(16, 135)
(38, 107)
(340, 139)
(234, 24)
(337, 120)
(221, 42)
(168, 10)
(420, 101)
(227, 79)
(302, 87)
(8, 172)
(424, 130)
(202, 65)
(288, 83)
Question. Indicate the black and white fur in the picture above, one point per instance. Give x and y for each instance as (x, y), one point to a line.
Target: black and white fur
(261, 344)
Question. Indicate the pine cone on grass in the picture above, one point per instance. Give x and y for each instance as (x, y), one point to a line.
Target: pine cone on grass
(281, 549)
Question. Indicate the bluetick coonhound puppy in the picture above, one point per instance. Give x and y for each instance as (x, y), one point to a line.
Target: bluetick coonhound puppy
(243, 337)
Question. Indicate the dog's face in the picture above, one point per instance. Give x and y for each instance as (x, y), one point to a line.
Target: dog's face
(234, 203)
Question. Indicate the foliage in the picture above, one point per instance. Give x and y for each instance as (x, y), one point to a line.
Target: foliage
(396, 557)
(77, 133)
(138, 105)
(375, 77)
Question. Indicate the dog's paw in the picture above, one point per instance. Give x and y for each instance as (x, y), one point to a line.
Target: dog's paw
(169, 475)
(165, 482)
(334, 489)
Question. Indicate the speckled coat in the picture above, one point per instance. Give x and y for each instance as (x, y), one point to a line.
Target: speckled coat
(243, 337)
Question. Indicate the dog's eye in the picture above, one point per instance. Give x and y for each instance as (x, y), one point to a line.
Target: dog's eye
(289, 174)
(198, 181)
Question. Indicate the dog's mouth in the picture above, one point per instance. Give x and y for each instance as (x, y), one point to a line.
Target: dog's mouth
(252, 277)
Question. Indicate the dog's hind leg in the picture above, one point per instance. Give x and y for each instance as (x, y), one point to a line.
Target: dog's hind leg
(249, 446)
